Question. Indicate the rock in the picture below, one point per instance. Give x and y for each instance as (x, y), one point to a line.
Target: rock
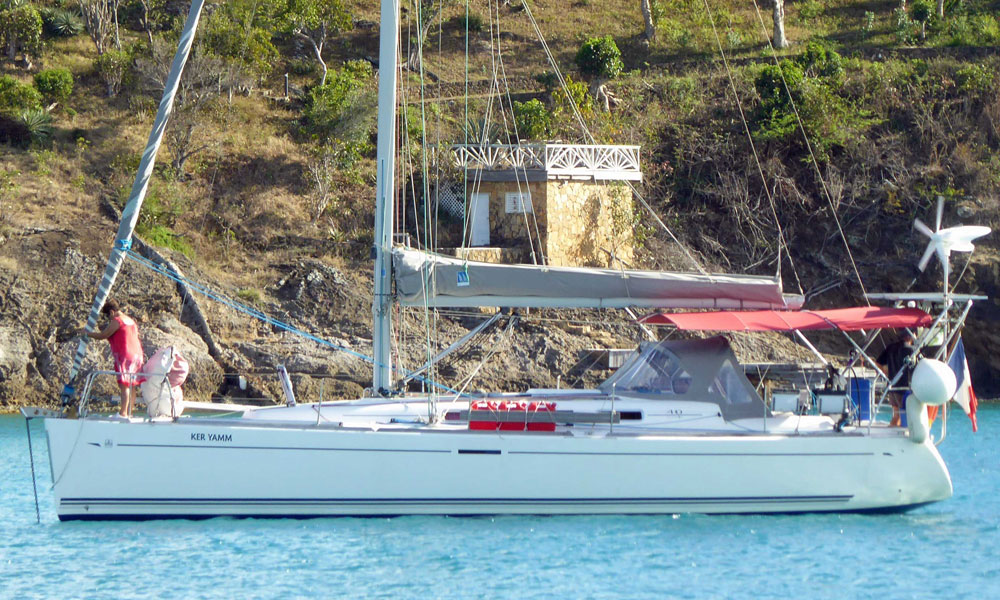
(15, 354)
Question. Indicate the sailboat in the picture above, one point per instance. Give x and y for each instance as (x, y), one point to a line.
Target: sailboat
(678, 428)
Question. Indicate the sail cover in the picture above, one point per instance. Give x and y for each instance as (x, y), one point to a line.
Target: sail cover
(844, 319)
(439, 281)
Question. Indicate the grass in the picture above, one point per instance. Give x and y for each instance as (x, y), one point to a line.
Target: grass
(248, 186)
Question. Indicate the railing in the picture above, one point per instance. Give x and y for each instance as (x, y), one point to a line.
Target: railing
(574, 160)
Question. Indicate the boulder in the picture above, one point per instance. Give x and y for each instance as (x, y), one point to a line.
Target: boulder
(15, 354)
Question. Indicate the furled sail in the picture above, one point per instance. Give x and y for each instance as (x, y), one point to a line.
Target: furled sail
(130, 214)
(440, 281)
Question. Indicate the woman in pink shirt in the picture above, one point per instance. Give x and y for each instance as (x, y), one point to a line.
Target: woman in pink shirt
(123, 335)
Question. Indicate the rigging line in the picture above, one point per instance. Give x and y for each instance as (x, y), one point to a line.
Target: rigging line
(961, 274)
(497, 64)
(483, 142)
(590, 138)
(753, 147)
(519, 166)
(527, 184)
(507, 334)
(425, 191)
(465, 179)
(225, 300)
(812, 156)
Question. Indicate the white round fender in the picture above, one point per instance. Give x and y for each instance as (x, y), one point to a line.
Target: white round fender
(916, 420)
(933, 382)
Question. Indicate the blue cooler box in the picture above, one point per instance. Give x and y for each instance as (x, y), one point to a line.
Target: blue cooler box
(860, 391)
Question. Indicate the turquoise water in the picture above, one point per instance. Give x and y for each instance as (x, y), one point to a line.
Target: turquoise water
(946, 550)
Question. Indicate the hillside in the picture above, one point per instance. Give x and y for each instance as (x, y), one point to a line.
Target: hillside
(273, 206)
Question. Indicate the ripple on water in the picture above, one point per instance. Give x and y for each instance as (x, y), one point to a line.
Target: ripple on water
(918, 554)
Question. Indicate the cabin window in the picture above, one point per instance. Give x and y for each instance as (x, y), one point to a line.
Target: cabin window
(661, 373)
(731, 385)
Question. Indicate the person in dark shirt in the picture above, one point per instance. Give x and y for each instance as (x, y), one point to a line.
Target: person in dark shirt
(893, 360)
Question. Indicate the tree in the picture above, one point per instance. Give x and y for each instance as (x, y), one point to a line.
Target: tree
(145, 18)
(20, 30)
(99, 17)
(239, 32)
(921, 11)
(198, 87)
(426, 12)
(600, 58)
(647, 18)
(314, 21)
(780, 41)
(112, 66)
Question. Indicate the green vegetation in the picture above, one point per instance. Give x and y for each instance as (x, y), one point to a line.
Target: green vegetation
(20, 29)
(59, 22)
(891, 112)
(16, 96)
(112, 66)
(38, 124)
(534, 122)
(249, 295)
(600, 57)
(55, 85)
(337, 108)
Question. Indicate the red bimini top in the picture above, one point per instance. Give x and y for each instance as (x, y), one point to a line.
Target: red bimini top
(844, 319)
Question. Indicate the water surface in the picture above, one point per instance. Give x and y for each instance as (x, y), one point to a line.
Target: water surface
(945, 550)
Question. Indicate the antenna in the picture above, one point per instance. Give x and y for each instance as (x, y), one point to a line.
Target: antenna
(944, 241)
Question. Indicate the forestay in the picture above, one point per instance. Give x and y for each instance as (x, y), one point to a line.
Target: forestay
(439, 281)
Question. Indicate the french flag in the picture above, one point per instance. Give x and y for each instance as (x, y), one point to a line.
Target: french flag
(964, 395)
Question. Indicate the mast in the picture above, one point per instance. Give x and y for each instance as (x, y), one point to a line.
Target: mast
(384, 195)
(130, 214)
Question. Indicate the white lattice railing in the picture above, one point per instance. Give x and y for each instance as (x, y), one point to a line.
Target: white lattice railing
(599, 162)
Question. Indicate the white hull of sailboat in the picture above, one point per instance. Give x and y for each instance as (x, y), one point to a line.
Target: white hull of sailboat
(203, 468)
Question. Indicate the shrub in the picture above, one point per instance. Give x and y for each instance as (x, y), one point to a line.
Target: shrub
(600, 57)
(575, 90)
(532, 119)
(249, 295)
(38, 123)
(341, 107)
(809, 10)
(15, 96)
(227, 34)
(472, 22)
(818, 61)
(55, 85)
(59, 22)
(112, 66)
(164, 237)
(977, 78)
(771, 80)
